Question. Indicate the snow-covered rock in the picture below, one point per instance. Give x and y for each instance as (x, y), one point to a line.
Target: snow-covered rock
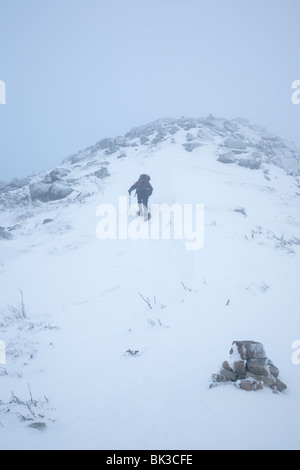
(59, 190)
(189, 147)
(102, 173)
(46, 192)
(5, 234)
(235, 144)
(40, 191)
(227, 157)
(251, 162)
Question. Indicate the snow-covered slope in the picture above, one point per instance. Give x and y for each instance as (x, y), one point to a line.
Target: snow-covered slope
(115, 342)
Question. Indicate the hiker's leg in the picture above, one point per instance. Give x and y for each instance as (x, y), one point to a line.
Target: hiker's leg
(140, 204)
(145, 205)
(145, 201)
(141, 209)
(145, 213)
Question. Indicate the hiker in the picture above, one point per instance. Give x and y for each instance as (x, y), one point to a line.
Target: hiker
(143, 192)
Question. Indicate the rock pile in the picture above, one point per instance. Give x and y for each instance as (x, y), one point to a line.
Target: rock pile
(249, 368)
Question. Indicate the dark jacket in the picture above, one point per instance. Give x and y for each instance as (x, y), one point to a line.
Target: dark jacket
(142, 186)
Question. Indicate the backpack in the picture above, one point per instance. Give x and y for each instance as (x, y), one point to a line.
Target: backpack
(143, 183)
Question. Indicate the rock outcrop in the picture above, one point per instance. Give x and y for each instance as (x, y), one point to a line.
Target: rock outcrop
(46, 192)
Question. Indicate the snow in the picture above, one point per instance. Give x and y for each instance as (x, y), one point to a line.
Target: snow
(90, 302)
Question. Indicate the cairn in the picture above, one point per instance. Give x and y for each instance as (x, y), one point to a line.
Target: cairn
(248, 368)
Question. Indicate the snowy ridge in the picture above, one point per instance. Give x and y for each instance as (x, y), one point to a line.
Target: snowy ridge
(120, 337)
(238, 136)
(236, 141)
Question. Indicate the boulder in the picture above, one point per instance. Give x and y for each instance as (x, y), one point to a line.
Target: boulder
(227, 157)
(38, 425)
(46, 192)
(228, 374)
(226, 365)
(273, 369)
(251, 163)
(189, 137)
(102, 173)
(39, 191)
(235, 144)
(59, 190)
(280, 386)
(269, 381)
(47, 221)
(250, 385)
(218, 378)
(55, 175)
(191, 146)
(61, 172)
(258, 367)
(248, 350)
(239, 367)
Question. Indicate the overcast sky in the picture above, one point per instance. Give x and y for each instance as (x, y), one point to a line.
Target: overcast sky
(77, 71)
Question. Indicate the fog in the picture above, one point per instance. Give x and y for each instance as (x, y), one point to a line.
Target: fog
(76, 71)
